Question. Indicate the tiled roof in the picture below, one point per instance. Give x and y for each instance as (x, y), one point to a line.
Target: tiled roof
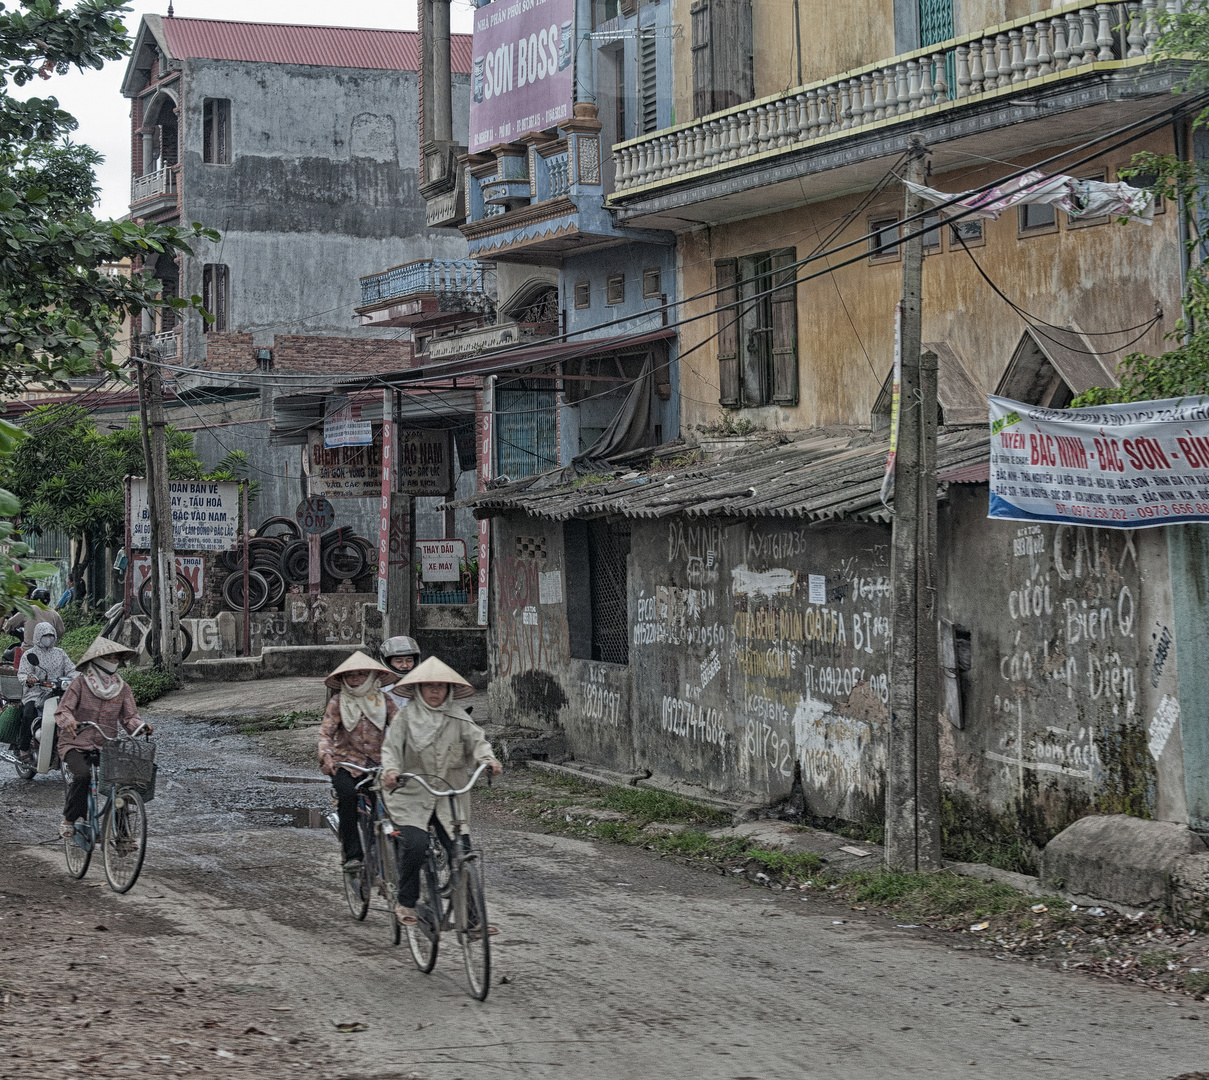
(316, 46)
(817, 478)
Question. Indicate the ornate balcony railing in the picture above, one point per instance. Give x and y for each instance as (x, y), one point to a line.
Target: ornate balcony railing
(1001, 58)
(165, 345)
(560, 180)
(462, 276)
(160, 182)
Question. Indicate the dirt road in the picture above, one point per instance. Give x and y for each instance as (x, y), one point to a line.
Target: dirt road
(235, 955)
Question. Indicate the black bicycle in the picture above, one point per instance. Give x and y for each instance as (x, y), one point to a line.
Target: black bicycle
(125, 776)
(452, 898)
(378, 867)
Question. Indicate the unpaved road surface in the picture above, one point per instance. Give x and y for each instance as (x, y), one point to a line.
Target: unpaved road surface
(235, 956)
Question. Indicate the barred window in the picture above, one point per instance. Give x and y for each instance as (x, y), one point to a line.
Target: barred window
(216, 295)
(597, 574)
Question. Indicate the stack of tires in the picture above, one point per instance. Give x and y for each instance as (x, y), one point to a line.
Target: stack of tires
(279, 557)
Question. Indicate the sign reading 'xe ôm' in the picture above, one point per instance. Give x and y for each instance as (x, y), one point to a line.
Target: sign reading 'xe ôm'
(522, 69)
(1113, 466)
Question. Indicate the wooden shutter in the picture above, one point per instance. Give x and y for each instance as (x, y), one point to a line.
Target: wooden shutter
(784, 327)
(731, 46)
(222, 138)
(207, 133)
(726, 301)
(648, 89)
(703, 68)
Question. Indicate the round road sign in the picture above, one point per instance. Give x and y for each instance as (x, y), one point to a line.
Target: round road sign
(315, 515)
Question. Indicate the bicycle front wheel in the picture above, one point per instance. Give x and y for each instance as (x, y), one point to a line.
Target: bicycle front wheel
(78, 857)
(424, 938)
(124, 840)
(473, 931)
(388, 867)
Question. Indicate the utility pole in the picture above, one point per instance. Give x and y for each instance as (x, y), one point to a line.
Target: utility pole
(913, 765)
(159, 505)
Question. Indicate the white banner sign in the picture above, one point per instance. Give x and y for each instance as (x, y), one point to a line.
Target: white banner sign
(441, 560)
(346, 428)
(205, 515)
(1114, 466)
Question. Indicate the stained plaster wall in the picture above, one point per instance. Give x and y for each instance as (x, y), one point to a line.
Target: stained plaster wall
(1072, 701)
(758, 648)
(322, 189)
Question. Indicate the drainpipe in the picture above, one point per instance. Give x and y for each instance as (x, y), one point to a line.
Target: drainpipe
(442, 90)
(1180, 136)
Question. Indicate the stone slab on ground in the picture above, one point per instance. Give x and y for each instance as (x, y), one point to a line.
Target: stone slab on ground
(801, 840)
(255, 700)
(1118, 858)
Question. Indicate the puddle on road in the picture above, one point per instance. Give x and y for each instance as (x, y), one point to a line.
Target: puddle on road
(298, 817)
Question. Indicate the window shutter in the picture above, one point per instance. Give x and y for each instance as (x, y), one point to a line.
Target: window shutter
(223, 136)
(703, 68)
(727, 271)
(207, 133)
(784, 327)
(731, 45)
(646, 49)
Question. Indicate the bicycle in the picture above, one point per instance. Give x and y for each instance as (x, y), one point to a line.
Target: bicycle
(457, 904)
(127, 773)
(378, 866)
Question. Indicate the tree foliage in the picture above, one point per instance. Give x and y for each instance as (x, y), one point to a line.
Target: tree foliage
(59, 309)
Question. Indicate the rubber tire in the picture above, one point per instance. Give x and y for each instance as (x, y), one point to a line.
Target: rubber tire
(137, 818)
(344, 560)
(470, 901)
(183, 584)
(424, 946)
(279, 522)
(25, 772)
(258, 590)
(357, 892)
(295, 563)
(276, 583)
(77, 858)
(390, 878)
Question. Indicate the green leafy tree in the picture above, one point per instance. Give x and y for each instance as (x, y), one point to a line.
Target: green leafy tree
(59, 312)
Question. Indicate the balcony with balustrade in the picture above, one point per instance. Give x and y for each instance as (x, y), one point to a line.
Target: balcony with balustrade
(428, 292)
(540, 199)
(1051, 79)
(154, 192)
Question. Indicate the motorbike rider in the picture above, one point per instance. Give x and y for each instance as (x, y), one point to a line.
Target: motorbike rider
(401, 653)
(435, 738)
(101, 696)
(30, 622)
(42, 662)
(352, 730)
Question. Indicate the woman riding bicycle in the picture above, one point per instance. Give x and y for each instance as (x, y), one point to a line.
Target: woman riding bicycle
(99, 695)
(401, 653)
(434, 738)
(352, 729)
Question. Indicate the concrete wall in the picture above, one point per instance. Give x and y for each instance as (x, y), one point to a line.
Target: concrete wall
(321, 189)
(760, 649)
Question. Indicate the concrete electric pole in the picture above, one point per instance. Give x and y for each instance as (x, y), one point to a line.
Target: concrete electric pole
(166, 627)
(913, 765)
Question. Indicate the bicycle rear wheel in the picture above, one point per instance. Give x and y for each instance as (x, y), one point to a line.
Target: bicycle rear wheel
(78, 857)
(124, 839)
(356, 891)
(424, 938)
(471, 913)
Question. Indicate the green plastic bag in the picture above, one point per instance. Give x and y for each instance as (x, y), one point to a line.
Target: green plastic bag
(10, 724)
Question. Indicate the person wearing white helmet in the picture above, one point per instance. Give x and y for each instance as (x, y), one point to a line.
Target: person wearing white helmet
(400, 653)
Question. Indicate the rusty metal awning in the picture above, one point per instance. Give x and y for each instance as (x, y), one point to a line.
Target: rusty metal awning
(818, 478)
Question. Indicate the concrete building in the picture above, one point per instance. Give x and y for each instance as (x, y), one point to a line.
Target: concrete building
(723, 622)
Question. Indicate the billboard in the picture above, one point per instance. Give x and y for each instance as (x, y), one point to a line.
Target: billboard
(522, 81)
(205, 515)
(1113, 466)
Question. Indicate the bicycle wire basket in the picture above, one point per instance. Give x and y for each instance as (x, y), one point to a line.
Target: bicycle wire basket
(129, 763)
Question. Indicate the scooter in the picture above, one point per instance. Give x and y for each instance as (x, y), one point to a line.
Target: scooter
(44, 751)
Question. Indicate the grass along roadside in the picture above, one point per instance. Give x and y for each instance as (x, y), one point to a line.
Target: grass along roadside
(987, 915)
(287, 721)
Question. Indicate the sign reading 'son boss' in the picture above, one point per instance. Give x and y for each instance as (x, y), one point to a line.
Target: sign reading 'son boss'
(523, 52)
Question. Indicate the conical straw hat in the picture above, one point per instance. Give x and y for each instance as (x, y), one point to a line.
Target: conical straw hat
(102, 647)
(434, 670)
(358, 662)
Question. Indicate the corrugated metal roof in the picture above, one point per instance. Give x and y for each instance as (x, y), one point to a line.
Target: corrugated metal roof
(314, 46)
(816, 478)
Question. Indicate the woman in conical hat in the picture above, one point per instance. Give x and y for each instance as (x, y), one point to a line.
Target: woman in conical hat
(100, 695)
(435, 738)
(353, 726)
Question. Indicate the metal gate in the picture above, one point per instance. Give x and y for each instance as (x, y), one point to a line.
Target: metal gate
(608, 554)
(526, 430)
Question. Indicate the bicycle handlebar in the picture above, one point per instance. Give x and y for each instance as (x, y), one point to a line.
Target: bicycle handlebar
(133, 734)
(370, 771)
(441, 794)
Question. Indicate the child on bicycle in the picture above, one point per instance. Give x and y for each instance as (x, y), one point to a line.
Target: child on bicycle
(352, 729)
(435, 738)
(100, 695)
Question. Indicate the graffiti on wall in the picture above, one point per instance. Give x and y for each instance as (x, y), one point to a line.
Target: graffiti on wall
(532, 632)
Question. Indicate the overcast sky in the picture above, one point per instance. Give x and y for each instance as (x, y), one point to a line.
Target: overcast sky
(95, 99)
